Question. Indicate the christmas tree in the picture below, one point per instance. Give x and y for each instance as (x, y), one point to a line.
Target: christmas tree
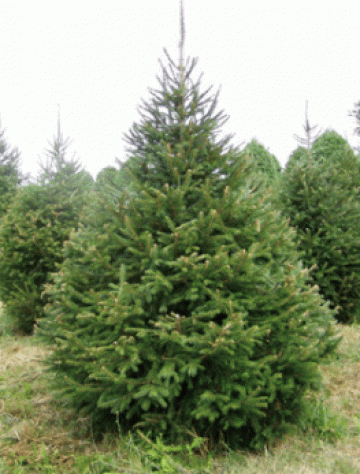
(185, 310)
(264, 161)
(320, 193)
(38, 220)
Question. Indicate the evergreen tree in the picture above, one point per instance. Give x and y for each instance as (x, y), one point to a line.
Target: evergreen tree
(111, 182)
(10, 176)
(302, 151)
(39, 219)
(146, 161)
(331, 146)
(185, 309)
(299, 155)
(65, 176)
(264, 160)
(31, 238)
(57, 165)
(106, 177)
(163, 120)
(58, 170)
(320, 195)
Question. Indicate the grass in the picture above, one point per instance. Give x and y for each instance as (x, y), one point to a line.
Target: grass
(38, 434)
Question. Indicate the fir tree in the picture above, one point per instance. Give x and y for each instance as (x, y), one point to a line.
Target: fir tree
(301, 153)
(331, 147)
(264, 161)
(39, 219)
(57, 165)
(61, 172)
(111, 182)
(185, 308)
(65, 176)
(106, 177)
(10, 175)
(175, 108)
(320, 195)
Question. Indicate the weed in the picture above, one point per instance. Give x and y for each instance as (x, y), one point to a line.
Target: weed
(161, 456)
(323, 422)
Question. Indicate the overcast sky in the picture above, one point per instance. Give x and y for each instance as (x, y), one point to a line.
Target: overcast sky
(98, 59)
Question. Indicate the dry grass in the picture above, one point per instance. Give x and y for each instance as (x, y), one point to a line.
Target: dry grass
(32, 423)
(38, 434)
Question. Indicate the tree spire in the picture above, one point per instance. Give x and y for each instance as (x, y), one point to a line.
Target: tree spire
(58, 124)
(309, 140)
(181, 58)
(182, 38)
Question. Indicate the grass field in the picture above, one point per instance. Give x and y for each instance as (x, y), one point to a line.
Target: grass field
(38, 434)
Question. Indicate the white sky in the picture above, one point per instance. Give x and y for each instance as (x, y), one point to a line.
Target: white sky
(97, 60)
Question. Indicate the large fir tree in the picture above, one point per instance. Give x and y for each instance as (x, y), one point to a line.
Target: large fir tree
(185, 309)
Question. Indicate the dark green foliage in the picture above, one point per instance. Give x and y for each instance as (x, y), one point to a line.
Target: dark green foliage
(185, 308)
(321, 195)
(31, 238)
(264, 160)
(10, 176)
(162, 126)
(32, 233)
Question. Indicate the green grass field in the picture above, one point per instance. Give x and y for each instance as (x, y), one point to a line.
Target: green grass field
(40, 435)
